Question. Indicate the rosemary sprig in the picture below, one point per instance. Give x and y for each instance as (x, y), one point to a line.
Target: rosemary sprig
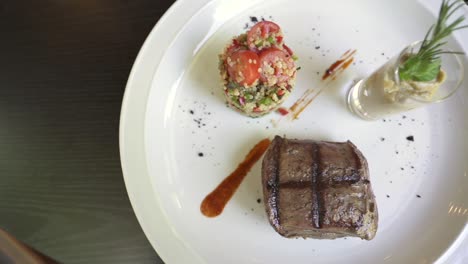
(424, 65)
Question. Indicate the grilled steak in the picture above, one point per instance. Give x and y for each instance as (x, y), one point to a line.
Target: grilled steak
(318, 189)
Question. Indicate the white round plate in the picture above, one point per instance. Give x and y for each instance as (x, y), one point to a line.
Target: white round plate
(174, 110)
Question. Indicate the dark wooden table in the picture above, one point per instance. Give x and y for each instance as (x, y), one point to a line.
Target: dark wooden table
(63, 71)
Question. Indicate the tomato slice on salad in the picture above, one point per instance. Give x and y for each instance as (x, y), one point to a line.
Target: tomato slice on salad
(288, 49)
(235, 46)
(263, 32)
(275, 62)
(242, 67)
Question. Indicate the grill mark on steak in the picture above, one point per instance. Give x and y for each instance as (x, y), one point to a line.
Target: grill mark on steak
(293, 185)
(320, 186)
(315, 187)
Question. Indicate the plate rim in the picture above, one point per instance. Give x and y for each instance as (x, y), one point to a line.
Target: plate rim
(131, 126)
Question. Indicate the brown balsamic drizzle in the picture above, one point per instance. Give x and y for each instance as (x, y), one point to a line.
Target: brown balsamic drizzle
(305, 105)
(301, 100)
(346, 53)
(333, 71)
(214, 203)
(347, 63)
(339, 65)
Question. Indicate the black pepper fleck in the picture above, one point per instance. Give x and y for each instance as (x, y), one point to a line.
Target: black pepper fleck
(191, 112)
(388, 196)
(253, 19)
(382, 139)
(417, 195)
(404, 117)
(410, 138)
(402, 168)
(259, 200)
(200, 154)
(317, 47)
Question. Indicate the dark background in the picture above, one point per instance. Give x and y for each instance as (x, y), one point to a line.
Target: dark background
(63, 71)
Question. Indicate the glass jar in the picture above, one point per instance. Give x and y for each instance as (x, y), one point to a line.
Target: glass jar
(383, 93)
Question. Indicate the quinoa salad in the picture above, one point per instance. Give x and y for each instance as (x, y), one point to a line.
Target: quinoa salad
(258, 70)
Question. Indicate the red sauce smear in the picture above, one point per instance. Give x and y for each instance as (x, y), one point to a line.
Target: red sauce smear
(214, 203)
(341, 64)
(283, 111)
